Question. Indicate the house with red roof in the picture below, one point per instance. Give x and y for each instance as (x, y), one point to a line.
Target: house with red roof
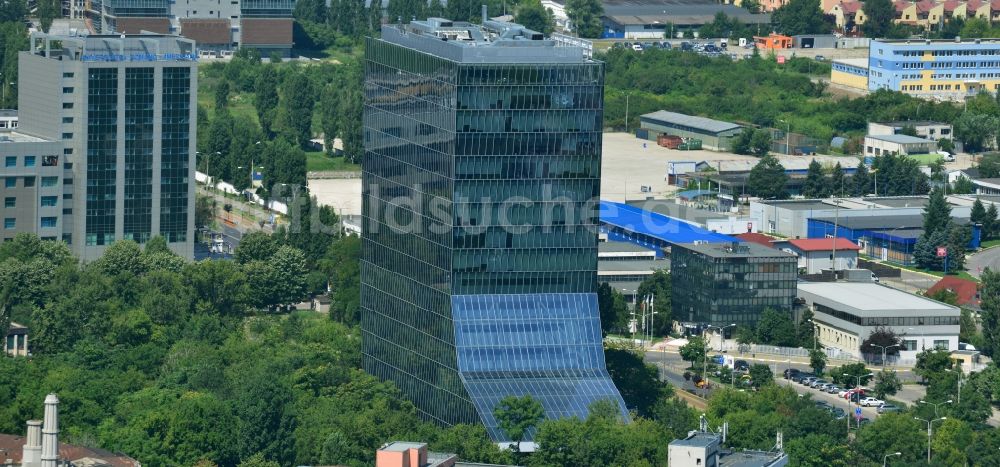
(818, 254)
(966, 291)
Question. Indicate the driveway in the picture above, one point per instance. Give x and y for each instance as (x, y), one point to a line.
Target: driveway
(979, 261)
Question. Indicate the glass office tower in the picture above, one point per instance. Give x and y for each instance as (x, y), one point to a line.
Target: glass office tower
(481, 181)
(727, 283)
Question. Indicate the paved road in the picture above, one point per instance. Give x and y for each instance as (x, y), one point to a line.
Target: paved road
(978, 262)
(909, 281)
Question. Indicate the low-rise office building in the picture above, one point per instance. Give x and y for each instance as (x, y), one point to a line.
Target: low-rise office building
(818, 254)
(846, 313)
(626, 276)
(850, 72)
(33, 191)
(733, 282)
(704, 449)
(924, 129)
(714, 134)
(631, 20)
(941, 69)
(878, 145)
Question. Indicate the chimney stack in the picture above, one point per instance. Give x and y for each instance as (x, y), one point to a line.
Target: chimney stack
(31, 455)
(50, 432)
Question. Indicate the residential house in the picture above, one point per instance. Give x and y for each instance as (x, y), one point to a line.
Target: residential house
(906, 12)
(847, 15)
(966, 291)
(818, 254)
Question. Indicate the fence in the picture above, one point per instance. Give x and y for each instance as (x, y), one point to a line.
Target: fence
(836, 354)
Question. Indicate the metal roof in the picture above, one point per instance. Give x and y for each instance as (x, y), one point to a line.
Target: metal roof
(900, 139)
(868, 300)
(707, 124)
(612, 268)
(743, 250)
(621, 247)
(883, 221)
(668, 229)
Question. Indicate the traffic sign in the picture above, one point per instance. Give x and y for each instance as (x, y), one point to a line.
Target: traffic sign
(857, 413)
(942, 252)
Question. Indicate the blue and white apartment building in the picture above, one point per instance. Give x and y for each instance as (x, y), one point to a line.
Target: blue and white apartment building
(951, 69)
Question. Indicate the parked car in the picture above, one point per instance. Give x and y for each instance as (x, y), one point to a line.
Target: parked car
(833, 389)
(808, 380)
(822, 387)
(741, 365)
(887, 408)
(820, 58)
(817, 382)
(844, 393)
(864, 421)
(801, 376)
(838, 413)
(637, 47)
(823, 405)
(871, 402)
(791, 373)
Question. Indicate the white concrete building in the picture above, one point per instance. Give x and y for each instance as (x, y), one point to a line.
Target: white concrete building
(846, 313)
(877, 145)
(817, 254)
(925, 129)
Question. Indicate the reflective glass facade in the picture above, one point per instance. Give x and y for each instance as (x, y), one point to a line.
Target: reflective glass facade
(175, 153)
(138, 153)
(723, 287)
(480, 247)
(102, 142)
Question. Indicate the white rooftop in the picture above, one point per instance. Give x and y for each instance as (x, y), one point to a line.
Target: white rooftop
(873, 300)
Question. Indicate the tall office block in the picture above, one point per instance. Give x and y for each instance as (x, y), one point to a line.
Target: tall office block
(124, 110)
(481, 179)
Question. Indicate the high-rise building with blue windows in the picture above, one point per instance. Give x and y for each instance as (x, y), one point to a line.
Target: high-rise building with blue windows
(121, 111)
(479, 253)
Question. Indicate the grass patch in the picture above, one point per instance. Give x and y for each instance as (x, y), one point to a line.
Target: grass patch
(959, 274)
(318, 161)
(989, 244)
(924, 159)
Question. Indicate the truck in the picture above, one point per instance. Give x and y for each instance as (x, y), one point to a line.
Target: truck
(860, 275)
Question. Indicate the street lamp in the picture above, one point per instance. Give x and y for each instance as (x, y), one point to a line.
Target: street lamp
(815, 335)
(886, 457)
(960, 374)
(850, 399)
(788, 137)
(930, 431)
(935, 405)
(884, 348)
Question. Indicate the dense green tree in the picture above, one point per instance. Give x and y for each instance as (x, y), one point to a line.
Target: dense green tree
(800, 17)
(340, 264)
(776, 328)
(12, 11)
(221, 96)
(976, 131)
(329, 115)
(937, 213)
(310, 10)
(518, 416)
(838, 185)
(806, 330)
(760, 143)
(962, 185)
(585, 16)
(638, 381)
(255, 246)
(47, 10)
(614, 311)
(657, 288)
(893, 432)
(295, 108)
(816, 185)
(932, 362)
(990, 224)
(760, 375)
(879, 16)
(266, 97)
(989, 165)
(817, 360)
(694, 351)
(472, 444)
(861, 181)
(532, 15)
(880, 339)
(886, 384)
(405, 10)
(767, 179)
(847, 375)
(741, 143)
